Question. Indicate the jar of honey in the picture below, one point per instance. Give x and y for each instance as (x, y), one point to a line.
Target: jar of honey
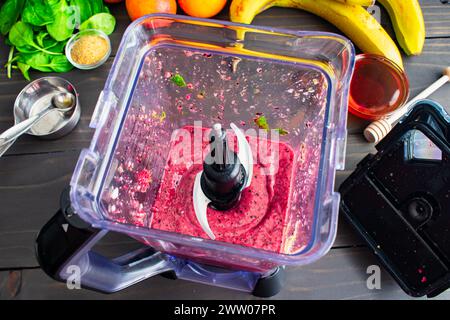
(378, 87)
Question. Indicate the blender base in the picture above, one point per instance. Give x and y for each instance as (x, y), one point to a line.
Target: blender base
(270, 285)
(266, 286)
(64, 250)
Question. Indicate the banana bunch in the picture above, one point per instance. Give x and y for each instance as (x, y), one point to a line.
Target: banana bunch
(354, 20)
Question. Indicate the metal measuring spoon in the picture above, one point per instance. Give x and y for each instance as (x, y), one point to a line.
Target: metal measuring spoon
(63, 102)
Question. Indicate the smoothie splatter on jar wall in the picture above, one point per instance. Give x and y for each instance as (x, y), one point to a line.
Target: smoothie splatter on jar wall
(150, 189)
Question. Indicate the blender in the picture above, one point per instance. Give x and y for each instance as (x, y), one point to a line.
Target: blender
(216, 146)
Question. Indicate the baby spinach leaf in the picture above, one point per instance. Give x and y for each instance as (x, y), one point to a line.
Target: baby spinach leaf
(27, 49)
(83, 9)
(97, 6)
(52, 2)
(101, 21)
(48, 42)
(45, 62)
(57, 47)
(23, 67)
(281, 131)
(40, 38)
(261, 122)
(21, 36)
(42, 41)
(64, 23)
(60, 64)
(178, 80)
(9, 13)
(37, 12)
(9, 63)
(38, 61)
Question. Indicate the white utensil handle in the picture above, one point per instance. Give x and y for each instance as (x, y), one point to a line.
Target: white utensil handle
(17, 130)
(377, 130)
(5, 146)
(424, 94)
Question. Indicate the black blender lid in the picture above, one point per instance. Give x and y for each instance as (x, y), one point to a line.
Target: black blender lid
(399, 200)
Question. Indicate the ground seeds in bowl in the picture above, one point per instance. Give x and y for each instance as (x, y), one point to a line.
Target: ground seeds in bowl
(89, 49)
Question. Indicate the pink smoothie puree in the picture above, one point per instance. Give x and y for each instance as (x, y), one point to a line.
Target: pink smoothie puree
(149, 185)
(257, 221)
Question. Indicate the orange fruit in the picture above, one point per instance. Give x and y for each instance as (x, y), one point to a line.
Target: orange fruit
(202, 8)
(139, 8)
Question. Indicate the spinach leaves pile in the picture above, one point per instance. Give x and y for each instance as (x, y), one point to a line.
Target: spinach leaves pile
(38, 30)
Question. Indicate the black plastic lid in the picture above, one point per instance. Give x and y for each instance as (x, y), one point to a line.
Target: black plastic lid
(399, 200)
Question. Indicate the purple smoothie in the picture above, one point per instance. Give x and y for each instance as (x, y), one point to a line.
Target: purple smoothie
(259, 218)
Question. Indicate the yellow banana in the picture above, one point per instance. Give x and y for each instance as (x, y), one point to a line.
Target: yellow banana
(364, 3)
(353, 20)
(407, 18)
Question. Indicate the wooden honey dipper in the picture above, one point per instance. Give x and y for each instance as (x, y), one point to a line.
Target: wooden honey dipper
(377, 130)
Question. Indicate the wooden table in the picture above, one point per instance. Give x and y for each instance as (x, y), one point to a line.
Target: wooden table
(33, 173)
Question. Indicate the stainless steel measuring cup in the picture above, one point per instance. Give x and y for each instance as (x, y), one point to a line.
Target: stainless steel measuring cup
(36, 97)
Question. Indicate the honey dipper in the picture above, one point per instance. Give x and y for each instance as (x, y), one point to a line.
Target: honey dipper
(377, 130)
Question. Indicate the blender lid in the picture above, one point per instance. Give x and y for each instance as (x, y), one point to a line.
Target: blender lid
(399, 200)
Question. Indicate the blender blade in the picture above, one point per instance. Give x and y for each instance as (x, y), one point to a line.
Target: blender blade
(244, 154)
(201, 201)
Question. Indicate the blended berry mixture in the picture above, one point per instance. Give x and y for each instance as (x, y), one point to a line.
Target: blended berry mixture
(259, 218)
(149, 186)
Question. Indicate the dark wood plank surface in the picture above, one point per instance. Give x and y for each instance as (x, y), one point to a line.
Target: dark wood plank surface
(341, 274)
(33, 173)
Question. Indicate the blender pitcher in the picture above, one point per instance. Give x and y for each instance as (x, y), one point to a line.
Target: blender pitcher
(216, 145)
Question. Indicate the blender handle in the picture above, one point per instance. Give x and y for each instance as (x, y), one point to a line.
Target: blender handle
(65, 253)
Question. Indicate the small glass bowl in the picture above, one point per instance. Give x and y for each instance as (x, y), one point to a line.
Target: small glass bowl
(378, 87)
(76, 37)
